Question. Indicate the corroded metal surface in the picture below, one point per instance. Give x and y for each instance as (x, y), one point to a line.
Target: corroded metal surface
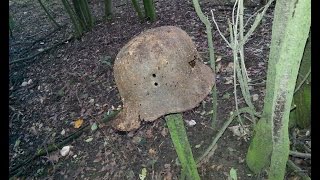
(159, 72)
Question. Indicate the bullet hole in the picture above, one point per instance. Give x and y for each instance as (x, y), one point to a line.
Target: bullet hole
(156, 84)
(154, 75)
(192, 63)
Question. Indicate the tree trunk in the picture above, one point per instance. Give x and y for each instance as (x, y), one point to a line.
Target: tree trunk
(149, 9)
(83, 14)
(79, 13)
(80, 16)
(108, 8)
(301, 115)
(87, 14)
(77, 26)
(137, 8)
(292, 20)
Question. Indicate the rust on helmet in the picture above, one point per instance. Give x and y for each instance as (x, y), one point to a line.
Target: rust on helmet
(159, 72)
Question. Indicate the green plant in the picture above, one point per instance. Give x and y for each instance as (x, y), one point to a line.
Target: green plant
(181, 144)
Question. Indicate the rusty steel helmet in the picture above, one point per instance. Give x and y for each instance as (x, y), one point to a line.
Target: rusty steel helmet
(157, 73)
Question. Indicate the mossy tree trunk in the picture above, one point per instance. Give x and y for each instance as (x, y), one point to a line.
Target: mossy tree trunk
(149, 9)
(301, 115)
(270, 143)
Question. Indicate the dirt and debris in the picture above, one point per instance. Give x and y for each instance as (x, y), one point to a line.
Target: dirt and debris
(75, 80)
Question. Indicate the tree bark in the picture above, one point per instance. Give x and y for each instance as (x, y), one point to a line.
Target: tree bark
(292, 20)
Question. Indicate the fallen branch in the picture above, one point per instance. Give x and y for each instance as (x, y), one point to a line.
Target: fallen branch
(300, 155)
(45, 50)
(41, 38)
(52, 147)
(297, 170)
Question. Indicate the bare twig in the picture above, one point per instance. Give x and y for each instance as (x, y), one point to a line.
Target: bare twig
(255, 23)
(235, 67)
(254, 14)
(215, 23)
(211, 153)
(303, 80)
(45, 50)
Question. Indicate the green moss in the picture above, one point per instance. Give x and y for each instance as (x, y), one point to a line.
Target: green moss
(259, 152)
(301, 116)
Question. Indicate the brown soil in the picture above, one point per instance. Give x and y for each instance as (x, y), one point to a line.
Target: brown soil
(75, 80)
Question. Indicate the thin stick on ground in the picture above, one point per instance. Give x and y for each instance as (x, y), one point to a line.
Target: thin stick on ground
(222, 130)
(300, 155)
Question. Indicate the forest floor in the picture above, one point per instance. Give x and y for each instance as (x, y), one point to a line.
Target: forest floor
(74, 80)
